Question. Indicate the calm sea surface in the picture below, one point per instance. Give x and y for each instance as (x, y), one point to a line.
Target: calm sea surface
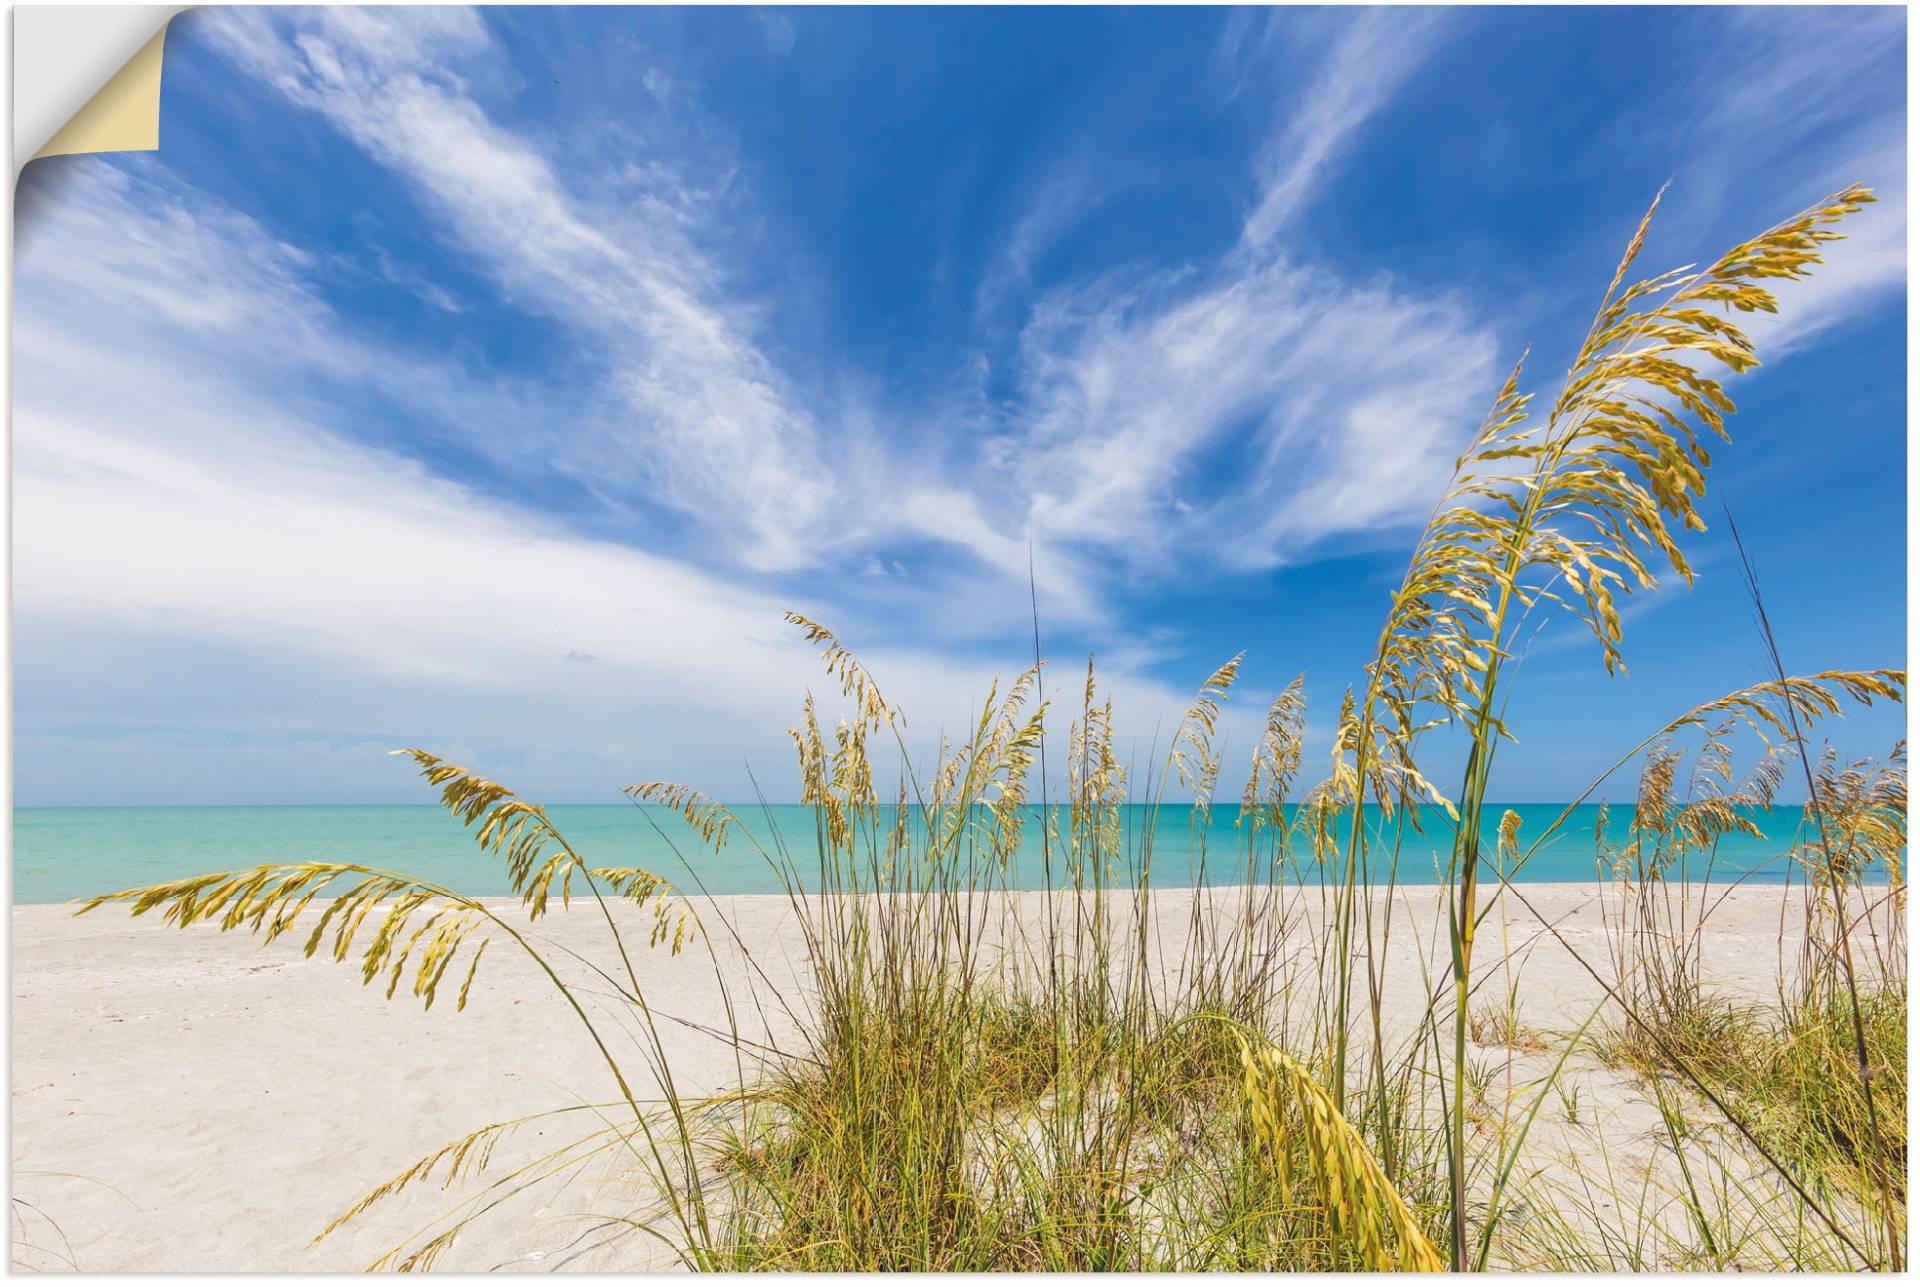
(70, 853)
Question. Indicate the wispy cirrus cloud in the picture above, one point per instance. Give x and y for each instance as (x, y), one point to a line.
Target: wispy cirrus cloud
(779, 477)
(1119, 426)
(1799, 74)
(1799, 71)
(1249, 411)
(716, 424)
(201, 275)
(1336, 403)
(1361, 65)
(1120, 384)
(1243, 412)
(1064, 199)
(183, 529)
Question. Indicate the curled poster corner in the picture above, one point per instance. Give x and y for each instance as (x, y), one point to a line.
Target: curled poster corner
(69, 53)
(124, 116)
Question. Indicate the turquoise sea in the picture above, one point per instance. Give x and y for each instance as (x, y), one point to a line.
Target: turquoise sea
(66, 853)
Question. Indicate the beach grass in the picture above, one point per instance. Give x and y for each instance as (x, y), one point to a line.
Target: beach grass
(974, 1089)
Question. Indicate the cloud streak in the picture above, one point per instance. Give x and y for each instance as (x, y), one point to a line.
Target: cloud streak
(1332, 406)
(179, 528)
(1361, 70)
(1119, 383)
(716, 426)
(1337, 402)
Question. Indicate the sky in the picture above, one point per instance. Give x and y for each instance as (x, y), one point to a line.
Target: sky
(494, 380)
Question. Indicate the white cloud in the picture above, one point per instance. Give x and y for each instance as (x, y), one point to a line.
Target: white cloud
(1112, 404)
(1359, 72)
(207, 567)
(722, 435)
(171, 511)
(1790, 72)
(1800, 103)
(1343, 404)
(1869, 267)
(414, 282)
(1243, 412)
(185, 274)
(1796, 104)
(716, 425)
(1063, 200)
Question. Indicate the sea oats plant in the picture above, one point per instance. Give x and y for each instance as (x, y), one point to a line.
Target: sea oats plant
(1558, 512)
(982, 1082)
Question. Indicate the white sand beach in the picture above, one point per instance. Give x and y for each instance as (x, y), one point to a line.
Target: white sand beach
(191, 1100)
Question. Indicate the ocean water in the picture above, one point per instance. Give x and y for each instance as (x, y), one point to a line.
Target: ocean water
(66, 853)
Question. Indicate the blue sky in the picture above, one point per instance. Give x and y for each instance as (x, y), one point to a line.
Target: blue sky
(492, 380)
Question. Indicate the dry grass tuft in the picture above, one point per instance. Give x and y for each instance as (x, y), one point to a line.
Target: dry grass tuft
(1360, 1201)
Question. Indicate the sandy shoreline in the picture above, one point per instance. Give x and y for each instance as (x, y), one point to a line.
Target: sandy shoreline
(196, 1101)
